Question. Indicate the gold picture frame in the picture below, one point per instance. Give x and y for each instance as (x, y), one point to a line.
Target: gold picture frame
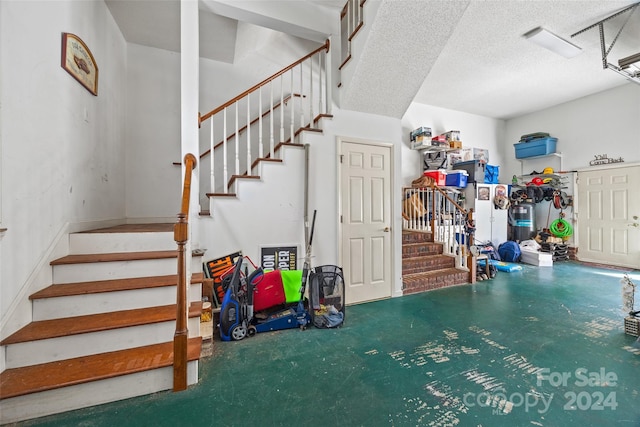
(78, 61)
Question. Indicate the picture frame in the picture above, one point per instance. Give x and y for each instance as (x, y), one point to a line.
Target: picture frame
(484, 193)
(78, 61)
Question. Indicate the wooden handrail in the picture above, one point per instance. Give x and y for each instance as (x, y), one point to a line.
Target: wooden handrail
(204, 117)
(244, 128)
(181, 236)
(460, 208)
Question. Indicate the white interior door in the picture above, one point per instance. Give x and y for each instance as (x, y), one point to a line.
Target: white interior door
(365, 195)
(609, 216)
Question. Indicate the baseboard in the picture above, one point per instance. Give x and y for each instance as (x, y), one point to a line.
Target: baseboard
(92, 225)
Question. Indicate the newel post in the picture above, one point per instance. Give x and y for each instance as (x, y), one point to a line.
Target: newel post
(180, 233)
(181, 236)
(471, 258)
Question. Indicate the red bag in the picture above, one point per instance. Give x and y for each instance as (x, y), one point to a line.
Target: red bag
(269, 292)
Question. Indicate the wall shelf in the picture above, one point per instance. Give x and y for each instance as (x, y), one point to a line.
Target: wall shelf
(557, 155)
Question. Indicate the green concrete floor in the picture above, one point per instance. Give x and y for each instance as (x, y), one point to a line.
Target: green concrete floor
(541, 347)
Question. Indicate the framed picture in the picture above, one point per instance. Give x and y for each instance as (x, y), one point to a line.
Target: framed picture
(483, 193)
(78, 61)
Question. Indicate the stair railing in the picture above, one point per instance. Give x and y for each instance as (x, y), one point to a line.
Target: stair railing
(431, 209)
(304, 96)
(181, 236)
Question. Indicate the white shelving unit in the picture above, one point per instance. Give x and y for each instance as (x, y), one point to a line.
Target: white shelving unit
(551, 155)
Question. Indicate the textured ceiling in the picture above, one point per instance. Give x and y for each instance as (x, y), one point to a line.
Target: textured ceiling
(401, 46)
(463, 55)
(488, 68)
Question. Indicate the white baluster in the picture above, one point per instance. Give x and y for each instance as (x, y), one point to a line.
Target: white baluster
(292, 101)
(237, 165)
(261, 154)
(271, 136)
(281, 109)
(301, 96)
(212, 143)
(320, 83)
(225, 166)
(311, 115)
(249, 160)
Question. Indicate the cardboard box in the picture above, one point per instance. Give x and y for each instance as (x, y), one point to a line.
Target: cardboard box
(452, 135)
(541, 259)
(421, 131)
(481, 155)
(421, 142)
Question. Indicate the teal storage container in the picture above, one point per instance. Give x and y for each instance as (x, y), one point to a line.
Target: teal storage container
(535, 147)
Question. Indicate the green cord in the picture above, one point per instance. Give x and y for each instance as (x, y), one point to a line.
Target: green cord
(561, 228)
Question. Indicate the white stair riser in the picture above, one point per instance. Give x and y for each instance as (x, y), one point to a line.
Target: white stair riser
(89, 394)
(100, 243)
(80, 305)
(68, 347)
(86, 272)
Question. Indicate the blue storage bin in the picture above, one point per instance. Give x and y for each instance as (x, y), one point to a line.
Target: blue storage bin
(456, 178)
(535, 147)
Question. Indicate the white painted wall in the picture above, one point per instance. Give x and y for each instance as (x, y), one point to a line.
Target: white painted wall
(63, 148)
(603, 123)
(607, 122)
(152, 133)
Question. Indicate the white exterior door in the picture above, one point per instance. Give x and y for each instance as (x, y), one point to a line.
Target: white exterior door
(609, 216)
(365, 197)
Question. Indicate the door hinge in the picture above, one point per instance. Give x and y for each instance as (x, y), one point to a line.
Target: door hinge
(341, 157)
(340, 219)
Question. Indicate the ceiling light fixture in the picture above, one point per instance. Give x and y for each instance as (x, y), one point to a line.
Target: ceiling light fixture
(624, 64)
(554, 43)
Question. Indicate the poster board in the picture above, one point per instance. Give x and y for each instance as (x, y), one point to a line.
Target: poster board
(279, 258)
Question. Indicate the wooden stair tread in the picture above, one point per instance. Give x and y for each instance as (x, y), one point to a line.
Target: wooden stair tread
(67, 326)
(116, 256)
(48, 376)
(113, 285)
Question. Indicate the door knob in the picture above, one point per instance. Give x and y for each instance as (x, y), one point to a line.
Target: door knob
(386, 229)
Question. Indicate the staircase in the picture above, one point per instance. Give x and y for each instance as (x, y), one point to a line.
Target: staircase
(425, 267)
(103, 330)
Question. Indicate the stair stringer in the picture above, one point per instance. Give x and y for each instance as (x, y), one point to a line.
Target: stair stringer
(83, 394)
(90, 394)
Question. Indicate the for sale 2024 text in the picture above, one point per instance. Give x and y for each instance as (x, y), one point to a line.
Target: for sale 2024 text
(593, 399)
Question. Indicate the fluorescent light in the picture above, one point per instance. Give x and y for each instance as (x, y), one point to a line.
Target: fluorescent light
(550, 41)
